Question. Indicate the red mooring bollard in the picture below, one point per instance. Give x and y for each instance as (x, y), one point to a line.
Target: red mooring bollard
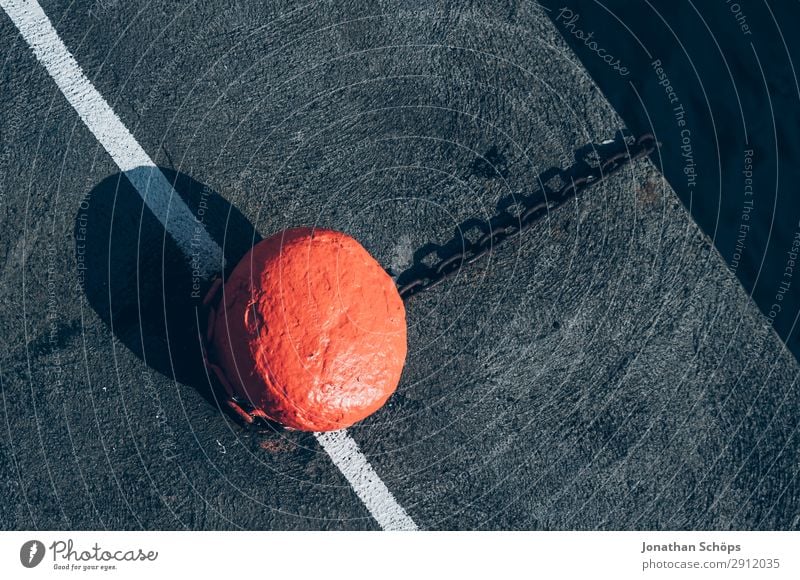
(310, 331)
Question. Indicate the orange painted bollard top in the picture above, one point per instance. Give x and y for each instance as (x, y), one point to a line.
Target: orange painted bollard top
(311, 330)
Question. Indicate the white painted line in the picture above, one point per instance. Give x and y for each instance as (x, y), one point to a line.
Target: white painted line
(102, 121)
(368, 486)
(178, 220)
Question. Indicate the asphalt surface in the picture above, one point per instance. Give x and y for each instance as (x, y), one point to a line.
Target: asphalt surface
(607, 371)
(731, 68)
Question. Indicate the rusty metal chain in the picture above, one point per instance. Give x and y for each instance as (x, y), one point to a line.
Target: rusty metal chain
(504, 226)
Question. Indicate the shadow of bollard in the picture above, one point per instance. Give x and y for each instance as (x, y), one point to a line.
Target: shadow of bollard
(141, 282)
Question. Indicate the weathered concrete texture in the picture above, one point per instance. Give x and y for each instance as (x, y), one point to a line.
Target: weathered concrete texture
(726, 70)
(605, 372)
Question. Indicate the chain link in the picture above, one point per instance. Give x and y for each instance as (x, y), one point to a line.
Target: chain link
(504, 226)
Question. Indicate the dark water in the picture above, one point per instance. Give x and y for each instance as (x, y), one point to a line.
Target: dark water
(717, 82)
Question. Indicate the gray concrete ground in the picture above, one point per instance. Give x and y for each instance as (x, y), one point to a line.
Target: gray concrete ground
(607, 371)
(729, 68)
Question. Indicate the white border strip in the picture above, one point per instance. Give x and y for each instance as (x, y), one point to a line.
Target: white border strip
(435, 555)
(178, 220)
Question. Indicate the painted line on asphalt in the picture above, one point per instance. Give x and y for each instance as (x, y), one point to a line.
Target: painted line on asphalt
(380, 502)
(102, 121)
(179, 221)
